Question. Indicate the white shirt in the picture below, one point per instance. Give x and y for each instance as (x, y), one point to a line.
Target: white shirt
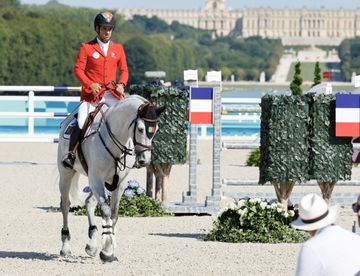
(333, 251)
(104, 46)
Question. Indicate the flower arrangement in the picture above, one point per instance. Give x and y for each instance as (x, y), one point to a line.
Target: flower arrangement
(255, 220)
(134, 203)
(133, 189)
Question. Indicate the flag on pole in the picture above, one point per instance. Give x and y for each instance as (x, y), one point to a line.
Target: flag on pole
(347, 115)
(201, 106)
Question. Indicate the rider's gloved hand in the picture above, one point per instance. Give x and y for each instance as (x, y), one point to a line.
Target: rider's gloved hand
(95, 87)
(120, 88)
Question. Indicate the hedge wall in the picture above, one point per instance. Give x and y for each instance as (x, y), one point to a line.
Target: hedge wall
(169, 144)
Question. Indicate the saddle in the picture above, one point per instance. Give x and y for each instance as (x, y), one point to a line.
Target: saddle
(85, 132)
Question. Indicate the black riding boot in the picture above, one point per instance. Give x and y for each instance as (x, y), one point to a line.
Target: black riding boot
(69, 160)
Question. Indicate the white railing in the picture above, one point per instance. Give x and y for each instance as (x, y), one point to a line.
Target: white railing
(242, 109)
(31, 114)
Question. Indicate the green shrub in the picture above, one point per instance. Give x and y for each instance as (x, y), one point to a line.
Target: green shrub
(134, 203)
(257, 221)
(253, 159)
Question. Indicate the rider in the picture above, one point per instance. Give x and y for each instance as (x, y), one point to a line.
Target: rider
(95, 68)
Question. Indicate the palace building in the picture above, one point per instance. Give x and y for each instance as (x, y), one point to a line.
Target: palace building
(293, 26)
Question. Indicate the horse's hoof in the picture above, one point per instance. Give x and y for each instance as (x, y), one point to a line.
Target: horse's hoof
(91, 251)
(107, 258)
(64, 253)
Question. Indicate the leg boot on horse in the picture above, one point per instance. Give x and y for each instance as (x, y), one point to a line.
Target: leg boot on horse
(68, 161)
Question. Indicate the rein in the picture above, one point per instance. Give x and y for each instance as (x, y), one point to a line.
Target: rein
(123, 149)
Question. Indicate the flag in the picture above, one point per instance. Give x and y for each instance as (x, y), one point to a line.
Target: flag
(347, 115)
(201, 106)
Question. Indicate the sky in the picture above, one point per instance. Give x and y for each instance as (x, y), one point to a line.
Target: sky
(196, 4)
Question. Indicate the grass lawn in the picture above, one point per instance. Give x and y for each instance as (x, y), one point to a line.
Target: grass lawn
(307, 70)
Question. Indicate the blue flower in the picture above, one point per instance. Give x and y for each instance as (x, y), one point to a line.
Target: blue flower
(129, 193)
(133, 183)
(140, 191)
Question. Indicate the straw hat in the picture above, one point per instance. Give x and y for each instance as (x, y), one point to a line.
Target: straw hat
(314, 213)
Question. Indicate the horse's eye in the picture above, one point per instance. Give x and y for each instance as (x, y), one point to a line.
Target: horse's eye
(141, 129)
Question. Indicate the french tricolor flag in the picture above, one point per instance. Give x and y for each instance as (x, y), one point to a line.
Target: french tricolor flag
(347, 115)
(201, 106)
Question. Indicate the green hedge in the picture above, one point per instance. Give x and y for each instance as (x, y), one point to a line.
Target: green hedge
(330, 156)
(298, 140)
(169, 144)
(284, 144)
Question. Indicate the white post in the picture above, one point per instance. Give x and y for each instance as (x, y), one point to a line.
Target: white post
(191, 195)
(31, 110)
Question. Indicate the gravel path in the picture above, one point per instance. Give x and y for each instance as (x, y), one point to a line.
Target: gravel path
(30, 231)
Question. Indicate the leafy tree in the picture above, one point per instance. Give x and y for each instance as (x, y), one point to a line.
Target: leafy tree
(6, 3)
(139, 58)
(295, 85)
(317, 74)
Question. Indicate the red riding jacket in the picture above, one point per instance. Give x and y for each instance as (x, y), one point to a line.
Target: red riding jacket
(92, 66)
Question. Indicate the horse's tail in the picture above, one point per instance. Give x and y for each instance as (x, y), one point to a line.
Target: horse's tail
(77, 196)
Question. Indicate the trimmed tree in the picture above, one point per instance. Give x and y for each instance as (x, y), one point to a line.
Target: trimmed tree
(295, 85)
(317, 74)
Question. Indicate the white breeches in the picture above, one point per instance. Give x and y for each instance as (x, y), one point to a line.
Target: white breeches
(85, 107)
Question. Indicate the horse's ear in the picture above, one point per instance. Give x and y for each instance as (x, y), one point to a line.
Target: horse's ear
(160, 110)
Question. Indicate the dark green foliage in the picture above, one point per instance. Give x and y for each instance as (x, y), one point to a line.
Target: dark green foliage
(295, 85)
(349, 53)
(141, 206)
(169, 144)
(39, 45)
(330, 156)
(317, 74)
(256, 221)
(9, 3)
(298, 140)
(284, 139)
(254, 158)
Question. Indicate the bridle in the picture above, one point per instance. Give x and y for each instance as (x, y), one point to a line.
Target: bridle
(123, 149)
(148, 123)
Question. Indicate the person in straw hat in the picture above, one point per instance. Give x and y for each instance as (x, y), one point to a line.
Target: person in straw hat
(331, 250)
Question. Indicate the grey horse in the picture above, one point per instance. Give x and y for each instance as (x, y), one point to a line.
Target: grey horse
(119, 139)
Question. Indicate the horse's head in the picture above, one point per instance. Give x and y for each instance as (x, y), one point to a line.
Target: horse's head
(144, 131)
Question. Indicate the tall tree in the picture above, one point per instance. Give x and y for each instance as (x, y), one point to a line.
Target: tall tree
(317, 74)
(295, 85)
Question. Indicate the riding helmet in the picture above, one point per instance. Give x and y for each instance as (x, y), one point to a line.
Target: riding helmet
(105, 19)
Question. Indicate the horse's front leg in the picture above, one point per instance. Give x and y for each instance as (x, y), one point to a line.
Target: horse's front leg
(93, 245)
(107, 251)
(115, 201)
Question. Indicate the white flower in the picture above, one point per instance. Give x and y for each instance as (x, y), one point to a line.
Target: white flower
(291, 213)
(241, 203)
(279, 210)
(286, 214)
(263, 205)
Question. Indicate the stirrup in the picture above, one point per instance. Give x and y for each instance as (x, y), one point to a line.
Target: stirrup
(68, 161)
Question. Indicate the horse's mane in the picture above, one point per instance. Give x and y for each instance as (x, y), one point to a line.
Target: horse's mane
(133, 97)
